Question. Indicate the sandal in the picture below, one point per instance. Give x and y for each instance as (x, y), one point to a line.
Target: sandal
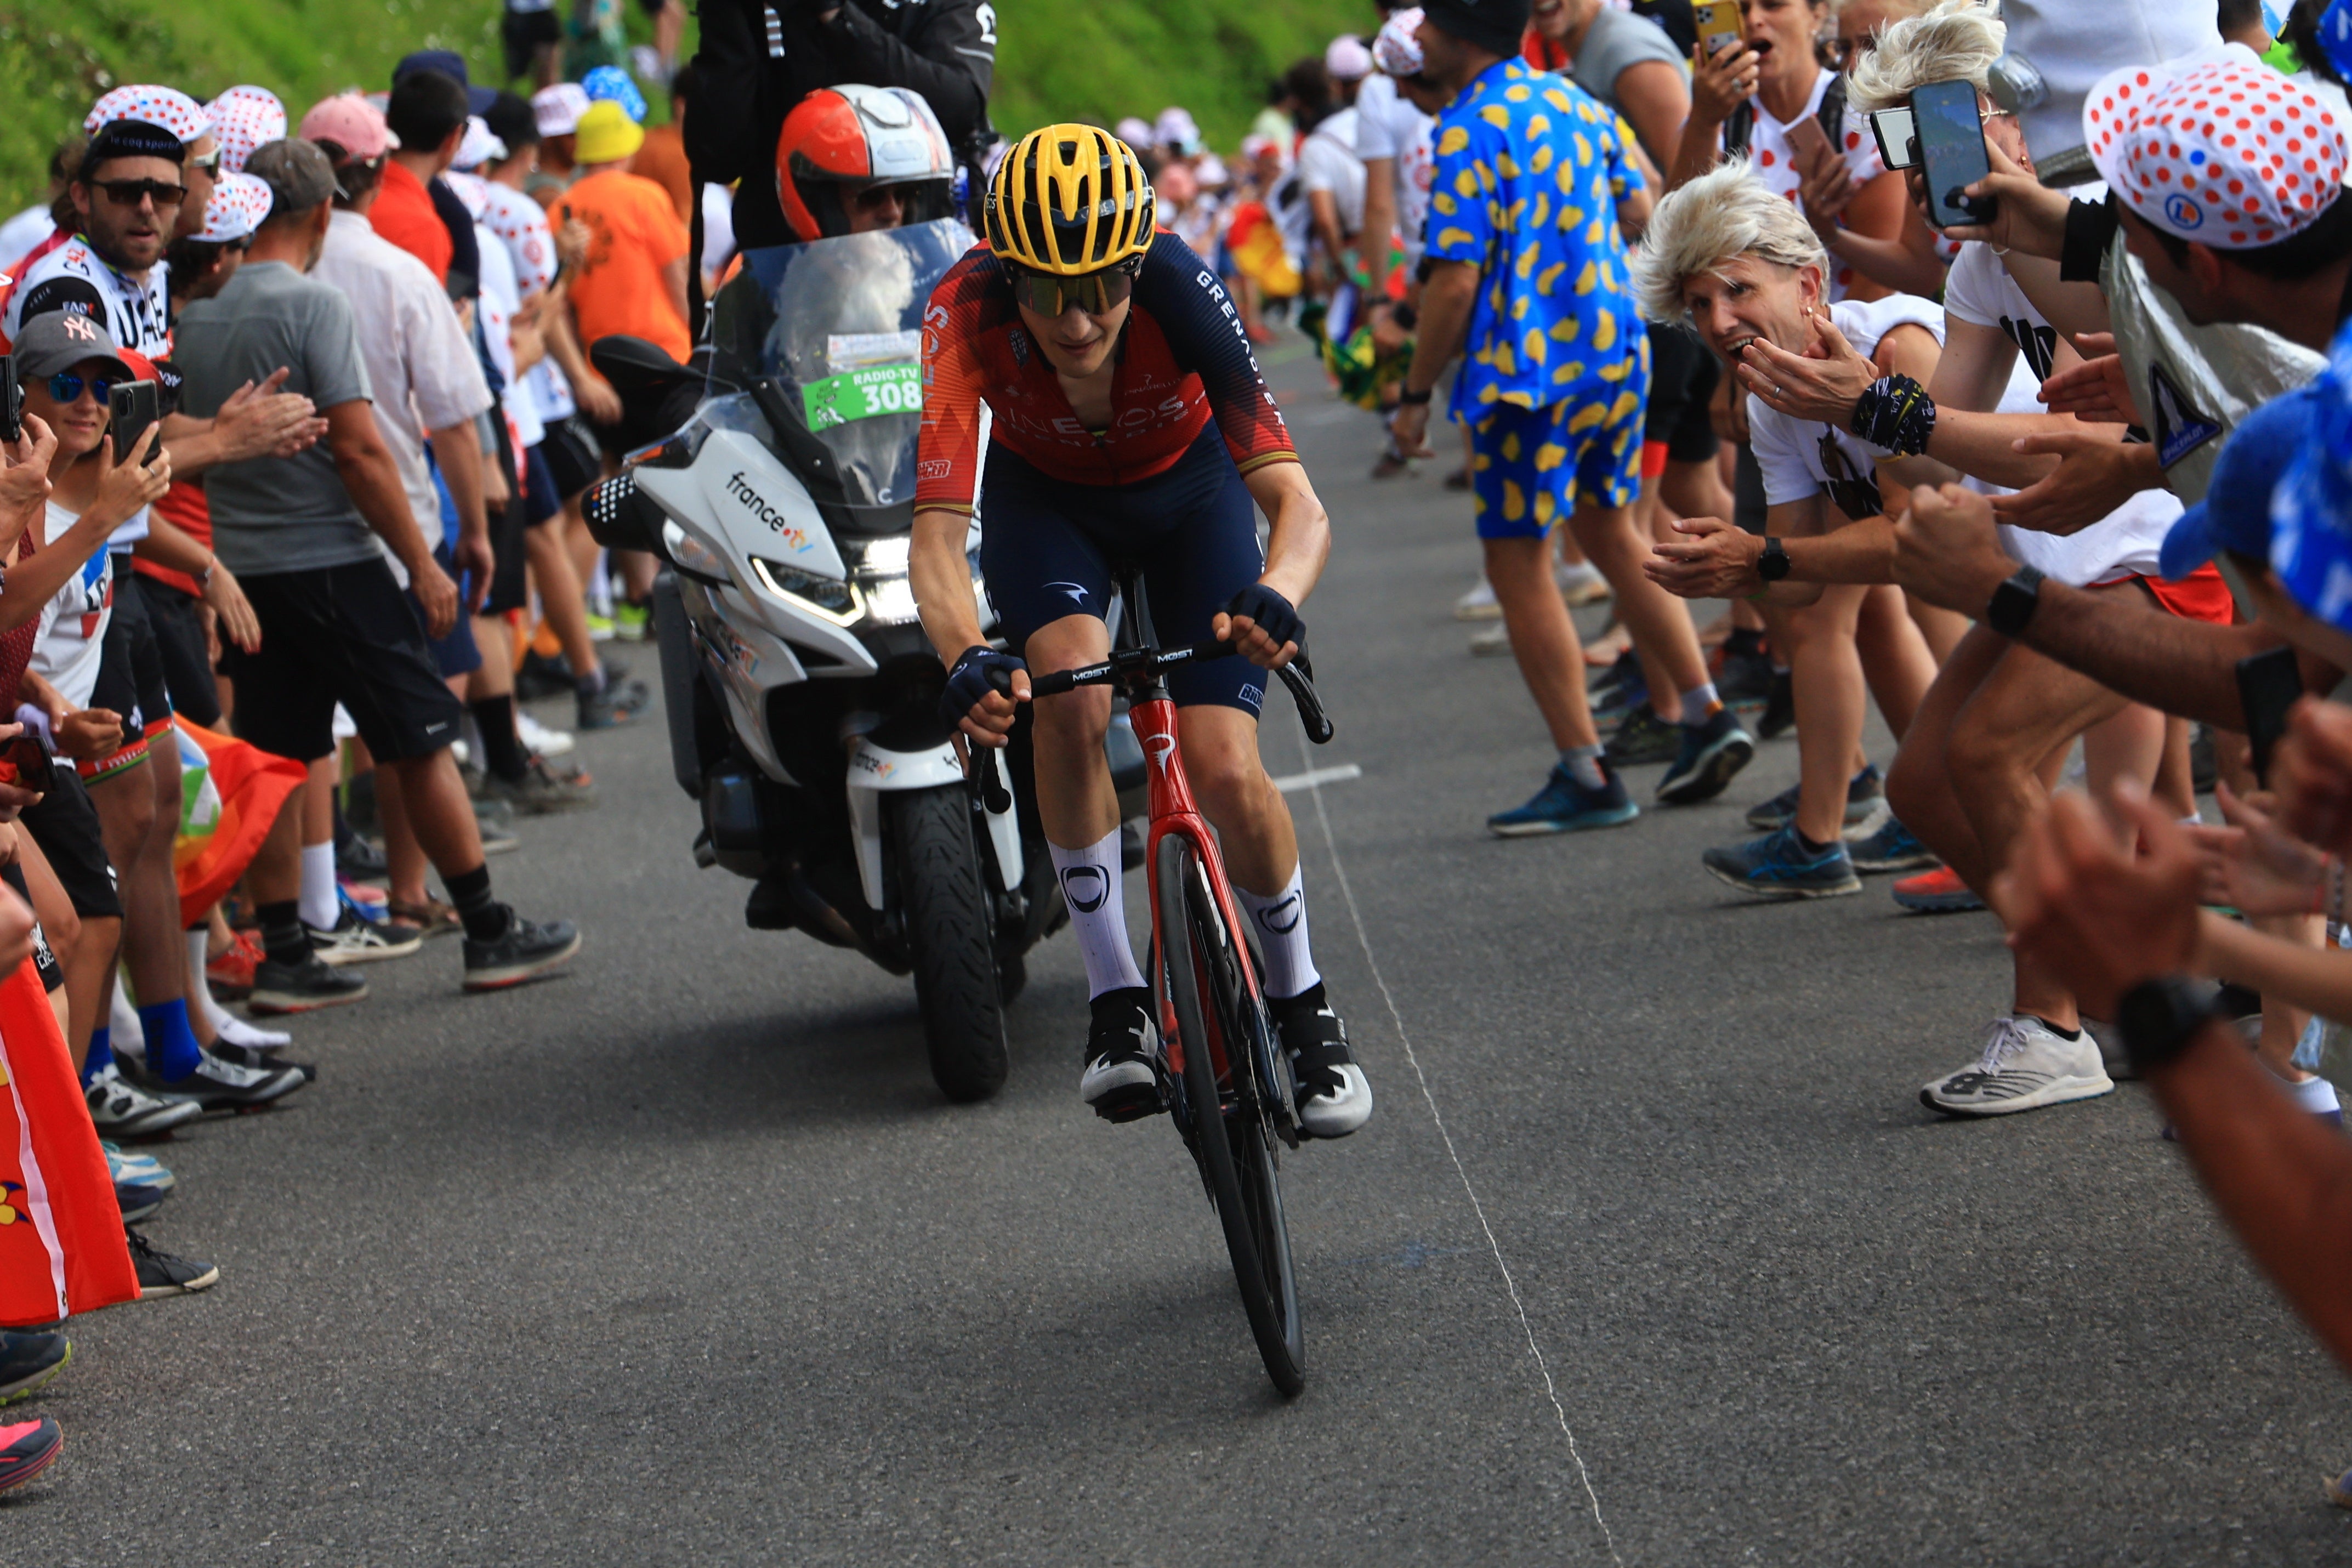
(433, 917)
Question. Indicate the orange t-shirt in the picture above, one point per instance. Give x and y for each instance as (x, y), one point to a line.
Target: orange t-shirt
(403, 213)
(634, 233)
(662, 160)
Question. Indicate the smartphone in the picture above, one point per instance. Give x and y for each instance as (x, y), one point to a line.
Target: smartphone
(1719, 26)
(1809, 143)
(25, 762)
(12, 400)
(1898, 139)
(135, 407)
(2268, 685)
(1951, 151)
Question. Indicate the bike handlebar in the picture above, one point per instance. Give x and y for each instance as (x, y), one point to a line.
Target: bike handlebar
(1131, 662)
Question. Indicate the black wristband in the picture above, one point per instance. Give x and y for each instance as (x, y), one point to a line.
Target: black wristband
(2011, 608)
(1895, 413)
(2160, 1019)
(1773, 564)
(2090, 229)
(1414, 399)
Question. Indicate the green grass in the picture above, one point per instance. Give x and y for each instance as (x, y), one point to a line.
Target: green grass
(1096, 60)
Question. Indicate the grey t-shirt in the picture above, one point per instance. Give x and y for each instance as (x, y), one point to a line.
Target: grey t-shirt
(276, 514)
(1616, 41)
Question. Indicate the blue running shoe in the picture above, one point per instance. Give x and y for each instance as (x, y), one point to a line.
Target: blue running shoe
(1779, 866)
(1891, 848)
(1862, 793)
(1710, 756)
(1564, 806)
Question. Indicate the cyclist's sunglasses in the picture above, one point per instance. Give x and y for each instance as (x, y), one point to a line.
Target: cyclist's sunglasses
(130, 193)
(1096, 293)
(65, 387)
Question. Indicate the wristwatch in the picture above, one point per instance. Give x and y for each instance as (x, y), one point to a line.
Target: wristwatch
(2159, 1017)
(1414, 399)
(1773, 564)
(2013, 602)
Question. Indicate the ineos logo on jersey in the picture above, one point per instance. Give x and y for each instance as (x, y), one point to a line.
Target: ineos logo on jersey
(1086, 887)
(757, 505)
(1283, 917)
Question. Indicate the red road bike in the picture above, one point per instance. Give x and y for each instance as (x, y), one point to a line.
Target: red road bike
(1225, 1082)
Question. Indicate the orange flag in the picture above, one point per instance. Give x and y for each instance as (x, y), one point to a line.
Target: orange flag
(61, 1247)
(230, 793)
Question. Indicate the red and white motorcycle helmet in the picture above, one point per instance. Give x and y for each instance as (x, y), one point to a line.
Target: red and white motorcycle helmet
(840, 140)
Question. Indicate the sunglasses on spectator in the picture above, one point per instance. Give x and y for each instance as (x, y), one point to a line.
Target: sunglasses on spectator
(1096, 293)
(65, 387)
(130, 193)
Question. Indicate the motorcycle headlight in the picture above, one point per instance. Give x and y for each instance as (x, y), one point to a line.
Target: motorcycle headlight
(828, 597)
(879, 572)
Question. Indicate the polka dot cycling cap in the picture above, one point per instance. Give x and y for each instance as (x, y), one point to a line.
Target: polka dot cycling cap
(245, 118)
(174, 111)
(1397, 51)
(240, 202)
(2218, 149)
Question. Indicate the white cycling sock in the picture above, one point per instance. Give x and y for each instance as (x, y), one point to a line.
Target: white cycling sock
(2316, 1094)
(1090, 887)
(1700, 702)
(226, 1025)
(320, 909)
(1583, 765)
(1281, 923)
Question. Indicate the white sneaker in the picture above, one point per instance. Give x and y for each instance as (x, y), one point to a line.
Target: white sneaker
(2026, 1064)
(1491, 642)
(1581, 585)
(120, 1108)
(1478, 604)
(537, 737)
(356, 940)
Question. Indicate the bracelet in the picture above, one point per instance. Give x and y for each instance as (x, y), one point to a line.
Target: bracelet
(1414, 399)
(1895, 413)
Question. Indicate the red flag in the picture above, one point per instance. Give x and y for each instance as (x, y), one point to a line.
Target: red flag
(61, 1247)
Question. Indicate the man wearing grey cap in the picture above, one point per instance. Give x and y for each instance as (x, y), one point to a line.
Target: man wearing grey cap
(303, 535)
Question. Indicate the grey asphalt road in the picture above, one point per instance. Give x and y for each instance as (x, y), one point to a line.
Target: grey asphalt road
(682, 1260)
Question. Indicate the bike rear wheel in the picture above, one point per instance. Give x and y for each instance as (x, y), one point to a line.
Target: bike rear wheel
(1231, 1134)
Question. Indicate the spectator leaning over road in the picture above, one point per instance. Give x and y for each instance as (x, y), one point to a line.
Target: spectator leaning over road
(1332, 173)
(335, 626)
(1529, 279)
(1395, 121)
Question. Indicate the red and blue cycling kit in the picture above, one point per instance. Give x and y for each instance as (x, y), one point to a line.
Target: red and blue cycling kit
(1061, 504)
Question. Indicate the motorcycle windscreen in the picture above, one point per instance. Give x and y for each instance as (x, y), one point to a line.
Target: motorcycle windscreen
(837, 325)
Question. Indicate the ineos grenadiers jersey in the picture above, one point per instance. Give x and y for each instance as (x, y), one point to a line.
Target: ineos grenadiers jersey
(1182, 358)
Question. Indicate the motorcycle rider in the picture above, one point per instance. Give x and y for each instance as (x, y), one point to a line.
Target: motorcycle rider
(1104, 349)
(759, 60)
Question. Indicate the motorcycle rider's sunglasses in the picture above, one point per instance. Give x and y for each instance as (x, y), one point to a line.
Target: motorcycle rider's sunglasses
(1096, 293)
(65, 388)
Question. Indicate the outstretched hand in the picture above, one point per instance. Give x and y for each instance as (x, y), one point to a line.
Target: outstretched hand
(1713, 560)
(2104, 910)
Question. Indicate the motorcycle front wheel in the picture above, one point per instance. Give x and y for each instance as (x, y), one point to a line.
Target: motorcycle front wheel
(949, 939)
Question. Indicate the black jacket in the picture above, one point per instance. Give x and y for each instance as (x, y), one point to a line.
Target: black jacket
(759, 58)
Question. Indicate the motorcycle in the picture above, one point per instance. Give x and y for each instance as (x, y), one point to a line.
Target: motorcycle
(800, 692)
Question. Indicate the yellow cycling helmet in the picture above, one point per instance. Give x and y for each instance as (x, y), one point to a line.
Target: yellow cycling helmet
(1069, 199)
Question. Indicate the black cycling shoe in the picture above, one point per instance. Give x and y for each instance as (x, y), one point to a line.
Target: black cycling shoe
(1122, 1076)
(528, 950)
(1334, 1097)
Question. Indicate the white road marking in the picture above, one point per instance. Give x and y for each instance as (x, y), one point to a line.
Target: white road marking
(1310, 782)
(1291, 783)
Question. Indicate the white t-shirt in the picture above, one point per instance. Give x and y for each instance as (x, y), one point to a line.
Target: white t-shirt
(1328, 163)
(72, 636)
(1774, 159)
(419, 361)
(2128, 541)
(1387, 126)
(521, 224)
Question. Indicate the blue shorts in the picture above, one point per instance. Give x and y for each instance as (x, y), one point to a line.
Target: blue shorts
(1529, 466)
(1048, 548)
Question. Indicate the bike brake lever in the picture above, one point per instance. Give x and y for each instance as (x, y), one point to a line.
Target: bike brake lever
(1310, 705)
(987, 784)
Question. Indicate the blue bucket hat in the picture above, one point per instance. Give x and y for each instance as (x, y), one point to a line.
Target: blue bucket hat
(2311, 509)
(612, 84)
(2235, 514)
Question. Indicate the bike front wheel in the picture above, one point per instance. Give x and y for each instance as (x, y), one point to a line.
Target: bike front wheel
(1215, 1014)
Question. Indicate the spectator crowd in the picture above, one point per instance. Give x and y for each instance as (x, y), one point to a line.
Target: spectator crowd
(2051, 464)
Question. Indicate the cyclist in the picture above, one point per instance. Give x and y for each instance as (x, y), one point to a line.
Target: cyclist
(1104, 349)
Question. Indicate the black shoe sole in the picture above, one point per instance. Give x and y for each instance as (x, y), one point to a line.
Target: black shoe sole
(1710, 777)
(1133, 1103)
(280, 1003)
(1781, 892)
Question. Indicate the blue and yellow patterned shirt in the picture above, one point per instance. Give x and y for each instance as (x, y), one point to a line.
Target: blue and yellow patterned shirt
(1528, 172)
